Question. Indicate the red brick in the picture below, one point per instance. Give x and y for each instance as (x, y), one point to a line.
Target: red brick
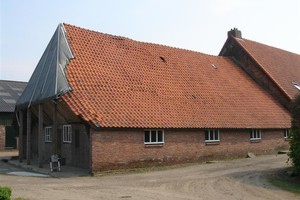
(125, 148)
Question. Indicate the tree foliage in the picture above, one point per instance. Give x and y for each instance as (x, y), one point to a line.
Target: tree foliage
(295, 136)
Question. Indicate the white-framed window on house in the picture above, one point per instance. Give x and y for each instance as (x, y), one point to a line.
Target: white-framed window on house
(212, 135)
(48, 134)
(255, 134)
(67, 133)
(287, 134)
(154, 136)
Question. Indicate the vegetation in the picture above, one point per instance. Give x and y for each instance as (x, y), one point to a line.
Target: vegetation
(294, 155)
(285, 182)
(5, 193)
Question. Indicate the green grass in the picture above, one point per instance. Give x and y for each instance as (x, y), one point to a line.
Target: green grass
(291, 184)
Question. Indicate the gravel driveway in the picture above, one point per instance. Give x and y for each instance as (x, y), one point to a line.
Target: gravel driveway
(236, 179)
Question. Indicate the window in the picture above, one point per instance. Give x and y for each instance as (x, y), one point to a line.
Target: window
(67, 133)
(212, 136)
(287, 133)
(154, 137)
(296, 85)
(48, 134)
(255, 134)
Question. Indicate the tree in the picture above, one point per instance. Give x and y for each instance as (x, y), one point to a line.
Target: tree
(294, 153)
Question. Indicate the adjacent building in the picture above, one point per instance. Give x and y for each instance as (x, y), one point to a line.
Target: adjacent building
(275, 70)
(10, 91)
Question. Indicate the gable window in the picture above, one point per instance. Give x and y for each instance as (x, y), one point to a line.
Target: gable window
(67, 133)
(154, 136)
(48, 134)
(287, 133)
(212, 135)
(255, 134)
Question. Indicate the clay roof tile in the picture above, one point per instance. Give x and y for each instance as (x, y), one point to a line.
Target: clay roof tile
(119, 82)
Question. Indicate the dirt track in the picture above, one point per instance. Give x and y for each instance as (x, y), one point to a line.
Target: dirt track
(237, 179)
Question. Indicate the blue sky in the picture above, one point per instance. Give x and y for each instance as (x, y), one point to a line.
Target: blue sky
(26, 27)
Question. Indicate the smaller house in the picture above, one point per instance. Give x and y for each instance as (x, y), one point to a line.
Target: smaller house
(10, 91)
(276, 70)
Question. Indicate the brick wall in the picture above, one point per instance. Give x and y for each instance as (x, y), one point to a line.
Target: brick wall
(113, 149)
(2, 137)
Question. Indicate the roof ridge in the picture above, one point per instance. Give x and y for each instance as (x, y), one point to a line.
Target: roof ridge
(138, 41)
(13, 81)
(267, 45)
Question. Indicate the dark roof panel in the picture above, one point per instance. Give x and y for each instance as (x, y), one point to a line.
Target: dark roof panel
(48, 79)
(10, 91)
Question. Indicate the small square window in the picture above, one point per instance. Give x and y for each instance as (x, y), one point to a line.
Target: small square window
(67, 133)
(212, 135)
(48, 134)
(255, 134)
(154, 137)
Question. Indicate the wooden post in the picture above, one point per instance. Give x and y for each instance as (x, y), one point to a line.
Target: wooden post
(40, 136)
(55, 128)
(21, 128)
(90, 146)
(28, 151)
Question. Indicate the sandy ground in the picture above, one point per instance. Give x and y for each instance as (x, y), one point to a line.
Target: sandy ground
(230, 180)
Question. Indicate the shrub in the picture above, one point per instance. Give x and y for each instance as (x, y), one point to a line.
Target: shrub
(294, 154)
(5, 193)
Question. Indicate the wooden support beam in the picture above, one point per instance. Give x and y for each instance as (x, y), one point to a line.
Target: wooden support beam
(40, 136)
(21, 128)
(28, 148)
(55, 128)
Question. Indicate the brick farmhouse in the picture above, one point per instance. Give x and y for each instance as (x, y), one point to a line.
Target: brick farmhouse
(107, 102)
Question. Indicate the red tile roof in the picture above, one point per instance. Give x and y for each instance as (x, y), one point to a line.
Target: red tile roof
(280, 65)
(119, 82)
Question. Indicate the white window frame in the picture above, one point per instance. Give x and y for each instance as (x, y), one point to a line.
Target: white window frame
(156, 132)
(296, 85)
(287, 133)
(67, 133)
(213, 135)
(255, 134)
(48, 133)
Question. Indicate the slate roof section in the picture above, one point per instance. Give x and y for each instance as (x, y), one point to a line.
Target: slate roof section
(119, 82)
(282, 66)
(10, 91)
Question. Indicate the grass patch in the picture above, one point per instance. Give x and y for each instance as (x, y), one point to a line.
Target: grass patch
(284, 181)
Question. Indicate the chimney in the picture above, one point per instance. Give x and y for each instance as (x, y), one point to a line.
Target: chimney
(235, 33)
